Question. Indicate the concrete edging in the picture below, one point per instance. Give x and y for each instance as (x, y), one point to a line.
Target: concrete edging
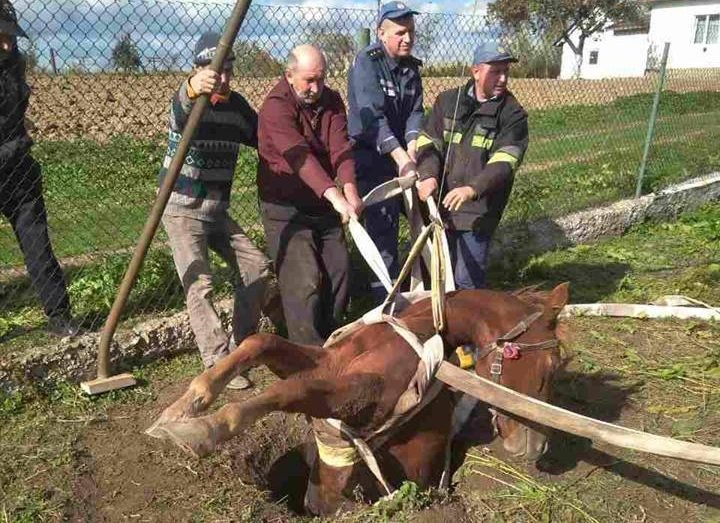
(532, 238)
(74, 359)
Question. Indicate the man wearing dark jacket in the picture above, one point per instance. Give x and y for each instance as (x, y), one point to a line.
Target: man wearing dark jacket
(487, 130)
(21, 198)
(306, 184)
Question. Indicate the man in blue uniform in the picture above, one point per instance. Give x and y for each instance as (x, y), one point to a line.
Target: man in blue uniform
(385, 113)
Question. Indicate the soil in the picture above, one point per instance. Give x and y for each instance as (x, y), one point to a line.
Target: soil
(91, 106)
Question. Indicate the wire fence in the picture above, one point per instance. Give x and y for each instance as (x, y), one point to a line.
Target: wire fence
(102, 75)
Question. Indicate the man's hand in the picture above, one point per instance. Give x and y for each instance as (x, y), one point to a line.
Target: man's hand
(408, 169)
(205, 81)
(426, 188)
(412, 150)
(352, 197)
(340, 204)
(457, 197)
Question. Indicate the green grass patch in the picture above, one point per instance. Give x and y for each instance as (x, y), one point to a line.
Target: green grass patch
(653, 259)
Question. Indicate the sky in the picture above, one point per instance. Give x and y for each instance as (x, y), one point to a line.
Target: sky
(82, 33)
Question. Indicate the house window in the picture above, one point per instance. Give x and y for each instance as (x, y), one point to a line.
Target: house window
(593, 57)
(707, 29)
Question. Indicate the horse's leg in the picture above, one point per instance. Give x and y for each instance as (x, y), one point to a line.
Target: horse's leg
(282, 357)
(417, 451)
(318, 398)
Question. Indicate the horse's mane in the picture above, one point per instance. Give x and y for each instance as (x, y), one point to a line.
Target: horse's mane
(532, 296)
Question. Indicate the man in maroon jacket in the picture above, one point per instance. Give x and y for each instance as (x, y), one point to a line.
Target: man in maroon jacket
(306, 183)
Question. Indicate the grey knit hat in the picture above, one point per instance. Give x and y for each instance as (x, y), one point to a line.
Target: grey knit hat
(206, 47)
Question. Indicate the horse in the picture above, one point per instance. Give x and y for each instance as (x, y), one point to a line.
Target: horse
(363, 378)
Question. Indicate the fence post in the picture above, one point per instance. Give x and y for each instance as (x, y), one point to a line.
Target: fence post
(651, 122)
(52, 61)
(362, 38)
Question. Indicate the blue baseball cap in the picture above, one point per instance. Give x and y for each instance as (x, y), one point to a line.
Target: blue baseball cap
(492, 51)
(394, 10)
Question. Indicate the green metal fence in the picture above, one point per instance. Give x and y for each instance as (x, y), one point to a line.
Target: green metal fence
(102, 75)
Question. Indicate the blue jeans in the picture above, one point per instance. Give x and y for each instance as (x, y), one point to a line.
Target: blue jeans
(469, 252)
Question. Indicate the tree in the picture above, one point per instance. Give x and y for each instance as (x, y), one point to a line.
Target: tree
(125, 55)
(574, 20)
(31, 59)
(339, 48)
(251, 60)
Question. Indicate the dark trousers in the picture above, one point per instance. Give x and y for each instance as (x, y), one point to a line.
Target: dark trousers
(21, 202)
(469, 253)
(382, 220)
(311, 263)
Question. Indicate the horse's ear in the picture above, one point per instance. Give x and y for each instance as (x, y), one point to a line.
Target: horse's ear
(558, 297)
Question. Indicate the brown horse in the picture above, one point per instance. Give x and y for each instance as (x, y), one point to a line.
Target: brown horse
(360, 379)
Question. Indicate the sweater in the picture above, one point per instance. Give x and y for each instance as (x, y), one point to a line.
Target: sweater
(303, 149)
(202, 189)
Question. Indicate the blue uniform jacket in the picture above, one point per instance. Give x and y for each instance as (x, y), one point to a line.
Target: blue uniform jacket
(385, 101)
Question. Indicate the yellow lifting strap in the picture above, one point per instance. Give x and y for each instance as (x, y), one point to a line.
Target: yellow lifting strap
(437, 279)
(337, 457)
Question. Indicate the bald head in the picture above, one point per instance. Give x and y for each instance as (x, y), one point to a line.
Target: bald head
(305, 72)
(306, 56)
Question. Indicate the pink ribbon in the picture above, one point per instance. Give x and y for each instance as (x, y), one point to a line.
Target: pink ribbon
(511, 351)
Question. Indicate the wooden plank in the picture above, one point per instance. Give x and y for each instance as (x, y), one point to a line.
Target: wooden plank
(100, 385)
(567, 421)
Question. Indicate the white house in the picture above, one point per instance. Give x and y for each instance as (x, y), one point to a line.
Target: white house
(691, 26)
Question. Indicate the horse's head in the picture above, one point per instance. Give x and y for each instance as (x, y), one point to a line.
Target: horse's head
(523, 355)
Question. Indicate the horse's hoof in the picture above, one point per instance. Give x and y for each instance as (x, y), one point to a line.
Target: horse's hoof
(154, 431)
(194, 437)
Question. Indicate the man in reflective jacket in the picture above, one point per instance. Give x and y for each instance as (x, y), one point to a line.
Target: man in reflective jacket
(486, 129)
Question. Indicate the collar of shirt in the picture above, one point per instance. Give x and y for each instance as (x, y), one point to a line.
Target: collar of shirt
(394, 64)
(471, 94)
(313, 111)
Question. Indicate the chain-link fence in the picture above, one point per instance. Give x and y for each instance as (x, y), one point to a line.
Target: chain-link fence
(102, 75)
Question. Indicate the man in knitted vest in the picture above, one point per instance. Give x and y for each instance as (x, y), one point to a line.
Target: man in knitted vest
(196, 217)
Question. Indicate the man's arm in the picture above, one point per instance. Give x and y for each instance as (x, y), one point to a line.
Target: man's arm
(505, 157)
(204, 81)
(370, 100)
(248, 134)
(341, 156)
(430, 148)
(414, 123)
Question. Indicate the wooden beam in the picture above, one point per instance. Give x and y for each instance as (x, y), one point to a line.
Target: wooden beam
(567, 421)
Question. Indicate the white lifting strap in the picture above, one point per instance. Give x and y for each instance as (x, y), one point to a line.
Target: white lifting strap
(367, 248)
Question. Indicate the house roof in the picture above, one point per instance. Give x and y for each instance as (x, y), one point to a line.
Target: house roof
(636, 26)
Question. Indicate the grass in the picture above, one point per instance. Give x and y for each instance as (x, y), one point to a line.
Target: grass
(681, 257)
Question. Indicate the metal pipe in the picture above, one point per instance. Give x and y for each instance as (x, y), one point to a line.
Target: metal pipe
(651, 122)
(226, 41)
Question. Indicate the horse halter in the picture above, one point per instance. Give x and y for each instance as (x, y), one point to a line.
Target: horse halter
(504, 348)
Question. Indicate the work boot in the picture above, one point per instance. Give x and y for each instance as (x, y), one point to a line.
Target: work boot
(63, 325)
